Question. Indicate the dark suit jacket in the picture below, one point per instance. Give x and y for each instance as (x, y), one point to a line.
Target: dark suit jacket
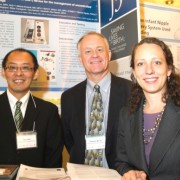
(73, 117)
(165, 153)
(49, 134)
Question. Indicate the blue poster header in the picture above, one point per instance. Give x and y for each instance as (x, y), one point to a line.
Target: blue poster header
(111, 10)
(69, 9)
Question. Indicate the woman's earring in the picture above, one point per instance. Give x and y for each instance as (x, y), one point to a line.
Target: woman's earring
(168, 78)
(133, 79)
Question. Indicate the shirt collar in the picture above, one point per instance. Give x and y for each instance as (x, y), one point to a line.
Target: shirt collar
(104, 83)
(13, 100)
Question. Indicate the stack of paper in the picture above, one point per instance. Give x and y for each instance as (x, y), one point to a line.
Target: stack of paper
(82, 172)
(74, 172)
(33, 173)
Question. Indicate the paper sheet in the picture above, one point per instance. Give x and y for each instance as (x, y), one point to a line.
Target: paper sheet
(82, 172)
(33, 173)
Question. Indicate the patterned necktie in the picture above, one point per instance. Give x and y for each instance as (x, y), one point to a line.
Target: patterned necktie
(94, 157)
(18, 117)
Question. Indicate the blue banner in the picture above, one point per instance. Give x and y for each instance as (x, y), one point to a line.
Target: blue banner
(120, 24)
(69, 9)
(113, 9)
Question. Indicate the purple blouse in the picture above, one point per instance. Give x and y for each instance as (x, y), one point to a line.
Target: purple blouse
(149, 120)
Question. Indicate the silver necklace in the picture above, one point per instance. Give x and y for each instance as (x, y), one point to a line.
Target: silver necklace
(148, 137)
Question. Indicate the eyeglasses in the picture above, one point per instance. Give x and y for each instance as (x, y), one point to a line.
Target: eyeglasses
(22, 68)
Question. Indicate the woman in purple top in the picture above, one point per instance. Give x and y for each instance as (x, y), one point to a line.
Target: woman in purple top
(148, 143)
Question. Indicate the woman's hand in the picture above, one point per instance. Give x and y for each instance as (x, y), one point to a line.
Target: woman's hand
(134, 175)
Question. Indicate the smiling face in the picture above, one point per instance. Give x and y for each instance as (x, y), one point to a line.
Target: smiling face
(19, 81)
(94, 55)
(151, 69)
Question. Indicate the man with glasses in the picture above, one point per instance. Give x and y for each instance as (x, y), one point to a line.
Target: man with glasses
(30, 132)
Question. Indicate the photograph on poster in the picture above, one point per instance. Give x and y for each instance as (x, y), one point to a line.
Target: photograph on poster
(34, 31)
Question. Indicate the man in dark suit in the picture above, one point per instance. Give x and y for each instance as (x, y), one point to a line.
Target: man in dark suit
(38, 142)
(94, 55)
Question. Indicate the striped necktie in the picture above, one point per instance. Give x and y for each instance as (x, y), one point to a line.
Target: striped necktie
(18, 117)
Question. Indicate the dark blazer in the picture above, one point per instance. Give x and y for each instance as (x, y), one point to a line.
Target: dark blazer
(165, 153)
(73, 117)
(49, 134)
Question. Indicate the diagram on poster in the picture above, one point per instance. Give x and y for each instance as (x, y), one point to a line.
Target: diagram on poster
(47, 62)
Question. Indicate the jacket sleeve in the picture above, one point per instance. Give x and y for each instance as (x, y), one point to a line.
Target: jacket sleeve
(66, 115)
(54, 140)
(121, 159)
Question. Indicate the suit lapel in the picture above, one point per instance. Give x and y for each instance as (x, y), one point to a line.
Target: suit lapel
(7, 116)
(30, 116)
(136, 129)
(80, 109)
(112, 111)
(82, 99)
(167, 132)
